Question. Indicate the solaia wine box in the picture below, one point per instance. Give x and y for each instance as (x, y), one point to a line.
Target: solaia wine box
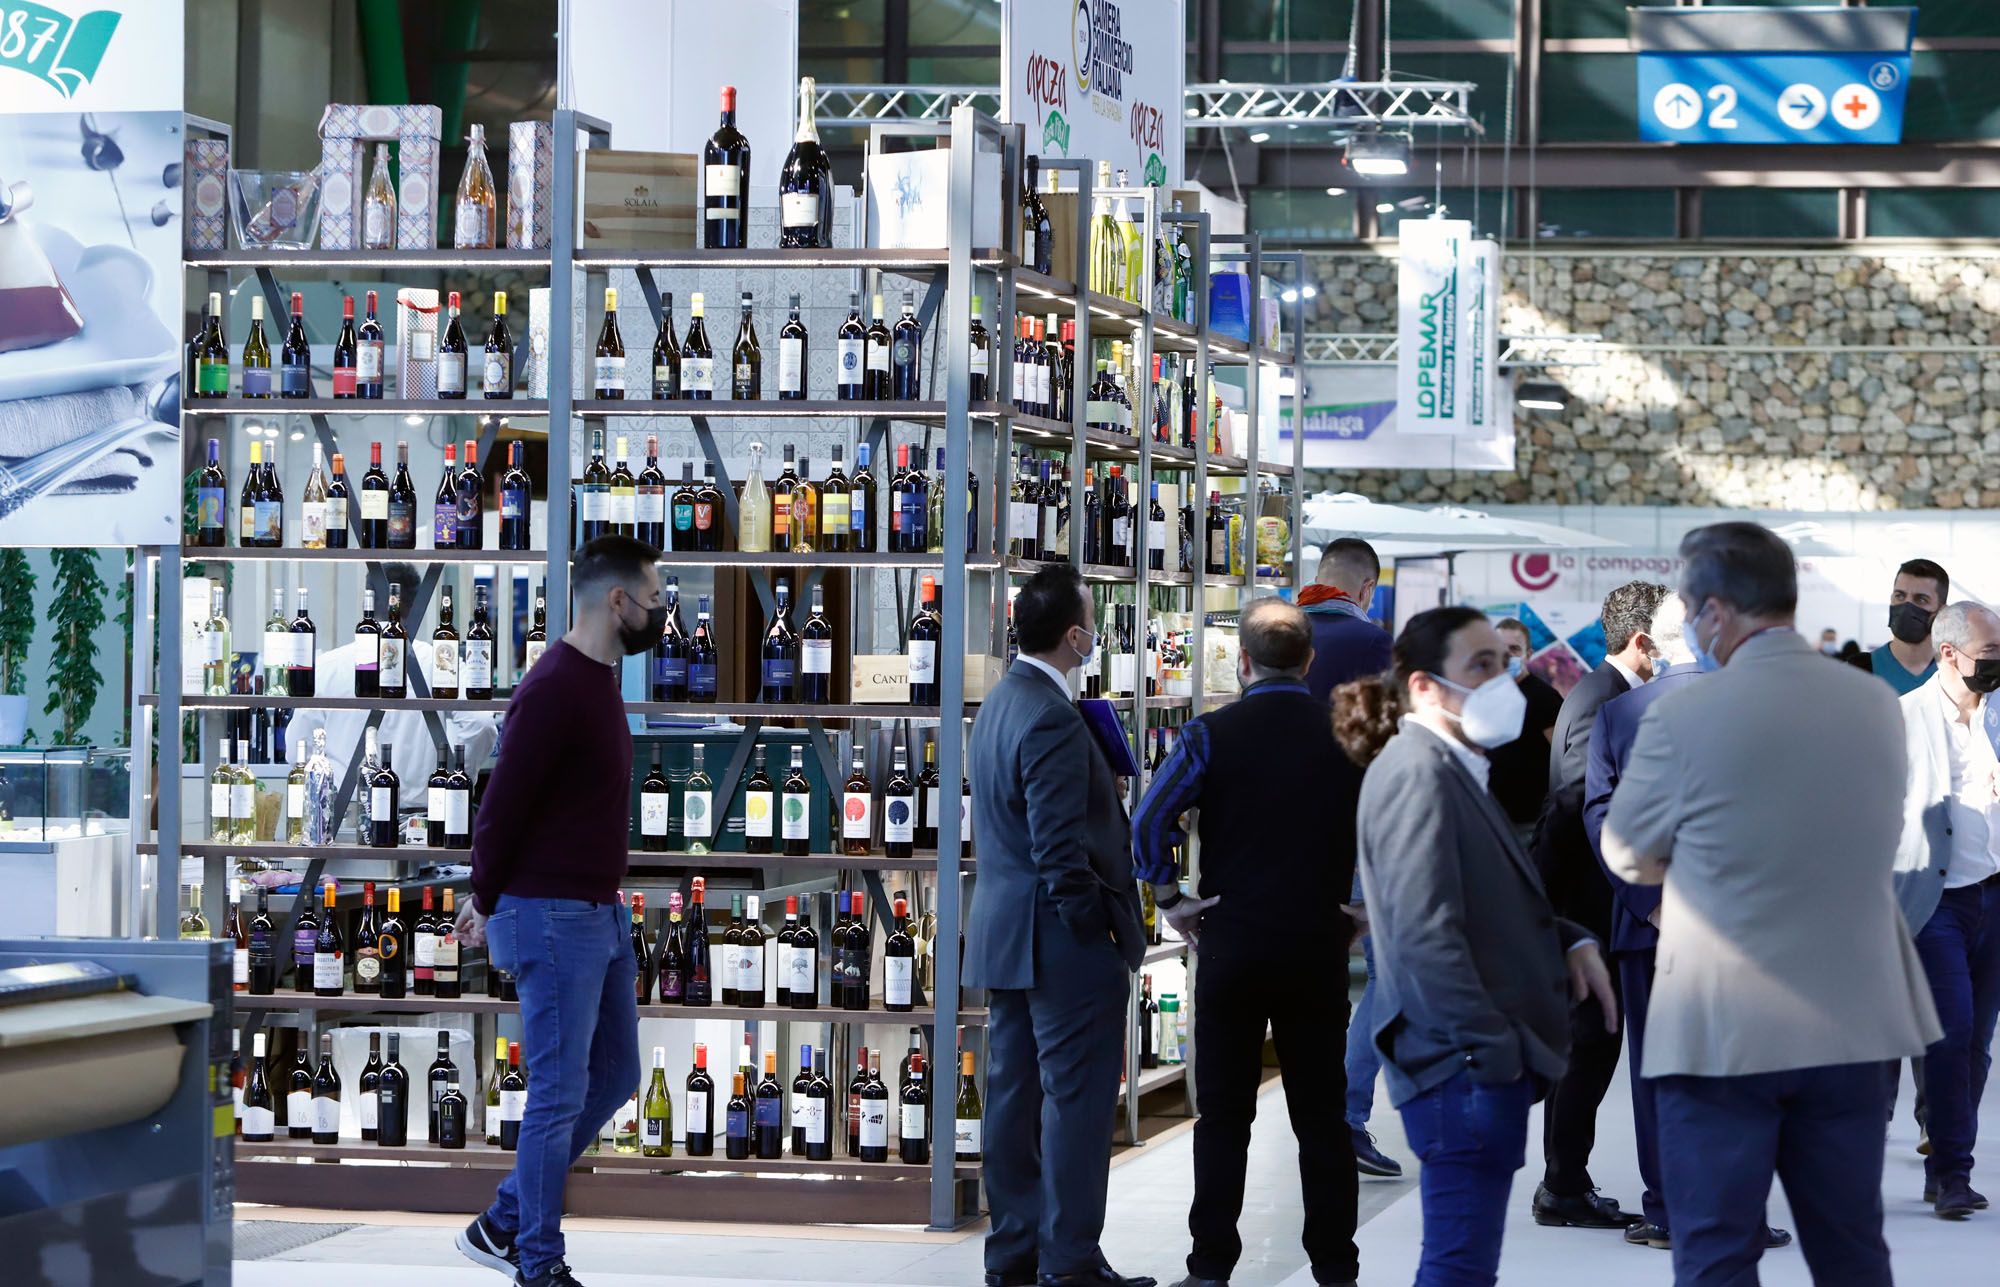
(641, 200)
(886, 680)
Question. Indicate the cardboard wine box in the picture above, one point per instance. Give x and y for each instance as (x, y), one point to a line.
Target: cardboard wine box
(886, 680)
(641, 200)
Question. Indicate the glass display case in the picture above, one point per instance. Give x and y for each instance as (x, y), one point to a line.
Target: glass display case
(63, 792)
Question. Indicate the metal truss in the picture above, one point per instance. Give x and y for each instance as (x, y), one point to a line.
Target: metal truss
(1522, 352)
(1345, 105)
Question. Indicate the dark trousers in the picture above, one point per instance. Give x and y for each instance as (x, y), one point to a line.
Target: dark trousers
(1635, 979)
(1051, 1096)
(1819, 1129)
(1238, 988)
(1960, 947)
(1471, 1139)
(1569, 1115)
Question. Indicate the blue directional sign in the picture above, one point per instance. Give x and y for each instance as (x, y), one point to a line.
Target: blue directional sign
(1735, 75)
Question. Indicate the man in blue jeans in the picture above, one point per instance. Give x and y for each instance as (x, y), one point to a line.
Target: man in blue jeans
(1364, 1062)
(548, 854)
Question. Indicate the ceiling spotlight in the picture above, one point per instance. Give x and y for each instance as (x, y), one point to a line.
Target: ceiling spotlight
(298, 435)
(413, 421)
(1385, 207)
(1261, 136)
(1309, 290)
(1541, 395)
(1336, 192)
(254, 429)
(1379, 155)
(1290, 295)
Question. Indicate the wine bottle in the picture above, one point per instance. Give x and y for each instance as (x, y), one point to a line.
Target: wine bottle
(784, 489)
(211, 498)
(392, 1099)
(452, 1115)
(750, 954)
(759, 805)
(368, 355)
(650, 497)
(624, 493)
(913, 1140)
(345, 353)
(474, 222)
(672, 966)
(493, 1091)
(298, 1089)
(815, 647)
(732, 961)
(392, 681)
(709, 514)
(270, 504)
(702, 663)
(469, 487)
(212, 354)
(697, 801)
(899, 962)
(423, 955)
(330, 946)
(780, 651)
(593, 506)
(850, 344)
(927, 799)
(804, 525)
(877, 378)
(445, 971)
(384, 792)
(444, 505)
(926, 634)
(390, 945)
(402, 513)
(700, 981)
(792, 356)
(610, 365)
(536, 641)
(736, 1123)
(874, 1143)
(802, 973)
(434, 801)
(458, 798)
(246, 501)
(855, 975)
(697, 355)
(725, 188)
(747, 359)
(906, 354)
(643, 988)
(666, 353)
(515, 501)
(260, 1117)
(700, 1129)
(451, 353)
(496, 379)
(514, 1100)
(656, 1118)
(816, 1114)
(980, 352)
(305, 935)
(1037, 232)
(767, 1127)
(968, 1112)
(669, 671)
(295, 359)
(806, 216)
(655, 806)
(899, 808)
(368, 945)
(857, 810)
(753, 508)
(256, 354)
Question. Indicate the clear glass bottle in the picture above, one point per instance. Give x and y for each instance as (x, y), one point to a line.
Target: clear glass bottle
(472, 224)
(215, 667)
(378, 209)
(1106, 242)
(753, 535)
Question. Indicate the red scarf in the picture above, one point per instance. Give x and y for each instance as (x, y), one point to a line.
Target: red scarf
(1322, 594)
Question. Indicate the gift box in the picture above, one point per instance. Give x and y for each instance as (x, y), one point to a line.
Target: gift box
(531, 184)
(538, 342)
(205, 183)
(909, 200)
(345, 131)
(641, 200)
(417, 319)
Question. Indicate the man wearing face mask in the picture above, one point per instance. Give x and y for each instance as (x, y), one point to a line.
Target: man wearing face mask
(1477, 972)
(548, 856)
(1906, 661)
(1054, 934)
(1948, 883)
(1768, 799)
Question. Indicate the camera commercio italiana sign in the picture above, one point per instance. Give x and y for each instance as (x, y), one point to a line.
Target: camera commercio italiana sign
(1820, 75)
(1447, 323)
(1098, 80)
(77, 56)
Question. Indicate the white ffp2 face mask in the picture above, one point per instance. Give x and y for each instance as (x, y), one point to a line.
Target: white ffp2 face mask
(1492, 713)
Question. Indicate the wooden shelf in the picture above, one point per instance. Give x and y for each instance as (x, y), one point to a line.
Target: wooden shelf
(1170, 951)
(482, 1154)
(1152, 1079)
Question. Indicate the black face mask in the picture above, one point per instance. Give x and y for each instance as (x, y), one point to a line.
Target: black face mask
(1985, 676)
(635, 640)
(1909, 623)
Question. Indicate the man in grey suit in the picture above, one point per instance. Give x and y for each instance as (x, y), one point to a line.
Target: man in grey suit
(1768, 800)
(1054, 935)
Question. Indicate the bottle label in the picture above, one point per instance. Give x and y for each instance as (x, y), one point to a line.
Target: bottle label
(1020, 380)
(513, 502)
(213, 377)
(533, 652)
(663, 380)
(1042, 394)
(857, 514)
(381, 804)
(791, 365)
(746, 378)
(965, 821)
(650, 506)
(878, 357)
(426, 956)
(653, 807)
(898, 973)
(670, 672)
(698, 375)
(371, 1110)
(434, 805)
(653, 1133)
(446, 952)
(302, 947)
(777, 673)
(913, 1121)
(209, 505)
(458, 812)
(367, 362)
(834, 514)
(695, 813)
(259, 1121)
(312, 524)
(1124, 672)
(375, 224)
(1121, 532)
(218, 802)
(243, 801)
(757, 813)
(299, 1108)
(336, 516)
(595, 504)
(857, 820)
(479, 663)
(368, 966)
(294, 379)
(1156, 534)
(848, 360)
(217, 646)
(768, 1109)
(498, 376)
(450, 373)
(968, 1136)
(472, 224)
(698, 1122)
(704, 516)
(905, 355)
(403, 524)
(930, 814)
(374, 505)
(797, 820)
(611, 374)
(624, 506)
(239, 969)
(816, 656)
(750, 969)
(513, 1105)
(295, 800)
(812, 1116)
(980, 359)
(800, 968)
(874, 1123)
(899, 820)
(444, 663)
(368, 645)
(737, 1121)
(781, 514)
(256, 381)
(722, 181)
(343, 381)
(444, 526)
(1046, 527)
(701, 680)
(328, 969)
(270, 522)
(801, 209)
(1023, 523)
(392, 663)
(923, 662)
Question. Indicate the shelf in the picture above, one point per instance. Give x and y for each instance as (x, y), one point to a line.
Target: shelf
(267, 701)
(1044, 286)
(354, 554)
(1163, 952)
(1153, 1079)
(442, 257)
(890, 261)
(775, 409)
(738, 559)
(365, 407)
(483, 1154)
(763, 710)
(357, 1004)
(1240, 465)
(1169, 703)
(1104, 572)
(272, 851)
(923, 860)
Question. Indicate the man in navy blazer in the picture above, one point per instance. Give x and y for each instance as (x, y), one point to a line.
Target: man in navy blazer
(1054, 934)
(1635, 933)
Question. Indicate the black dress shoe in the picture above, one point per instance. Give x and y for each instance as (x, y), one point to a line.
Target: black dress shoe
(1775, 1237)
(1010, 1278)
(1192, 1281)
(1102, 1276)
(1647, 1234)
(1979, 1202)
(1584, 1211)
(1954, 1200)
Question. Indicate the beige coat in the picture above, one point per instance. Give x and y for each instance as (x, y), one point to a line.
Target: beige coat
(1769, 801)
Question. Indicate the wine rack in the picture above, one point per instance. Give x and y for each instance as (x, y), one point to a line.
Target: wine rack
(976, 435)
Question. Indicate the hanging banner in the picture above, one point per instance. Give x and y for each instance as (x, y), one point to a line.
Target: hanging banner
(1352, 421)
(1447, 324)
(1825, 76)
(1098, 80)
(92, 150)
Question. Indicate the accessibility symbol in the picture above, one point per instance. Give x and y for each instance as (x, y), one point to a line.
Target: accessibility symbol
(1884, 76)
(1802, 107)
(1856, 107)
(1677, 106)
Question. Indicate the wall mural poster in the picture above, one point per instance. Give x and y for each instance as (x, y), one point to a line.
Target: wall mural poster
(91, 150)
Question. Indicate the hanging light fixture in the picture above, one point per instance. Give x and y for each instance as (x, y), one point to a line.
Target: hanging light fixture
(1379, 155)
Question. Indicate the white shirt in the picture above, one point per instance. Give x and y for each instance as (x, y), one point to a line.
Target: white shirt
(1631, 676)
(1438, 725)
(1972, 806)
(1062, 680)
(415, 754)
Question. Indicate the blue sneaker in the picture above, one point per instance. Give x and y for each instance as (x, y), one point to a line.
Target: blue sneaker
(1370, 1160)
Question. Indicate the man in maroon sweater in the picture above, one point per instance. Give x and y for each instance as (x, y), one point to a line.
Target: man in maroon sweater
(548, 854)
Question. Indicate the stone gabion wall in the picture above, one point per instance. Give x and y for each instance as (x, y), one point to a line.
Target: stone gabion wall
(1834, 381)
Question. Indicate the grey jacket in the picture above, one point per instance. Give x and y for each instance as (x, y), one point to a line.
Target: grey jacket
(1051, 834)
(1469, 961)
